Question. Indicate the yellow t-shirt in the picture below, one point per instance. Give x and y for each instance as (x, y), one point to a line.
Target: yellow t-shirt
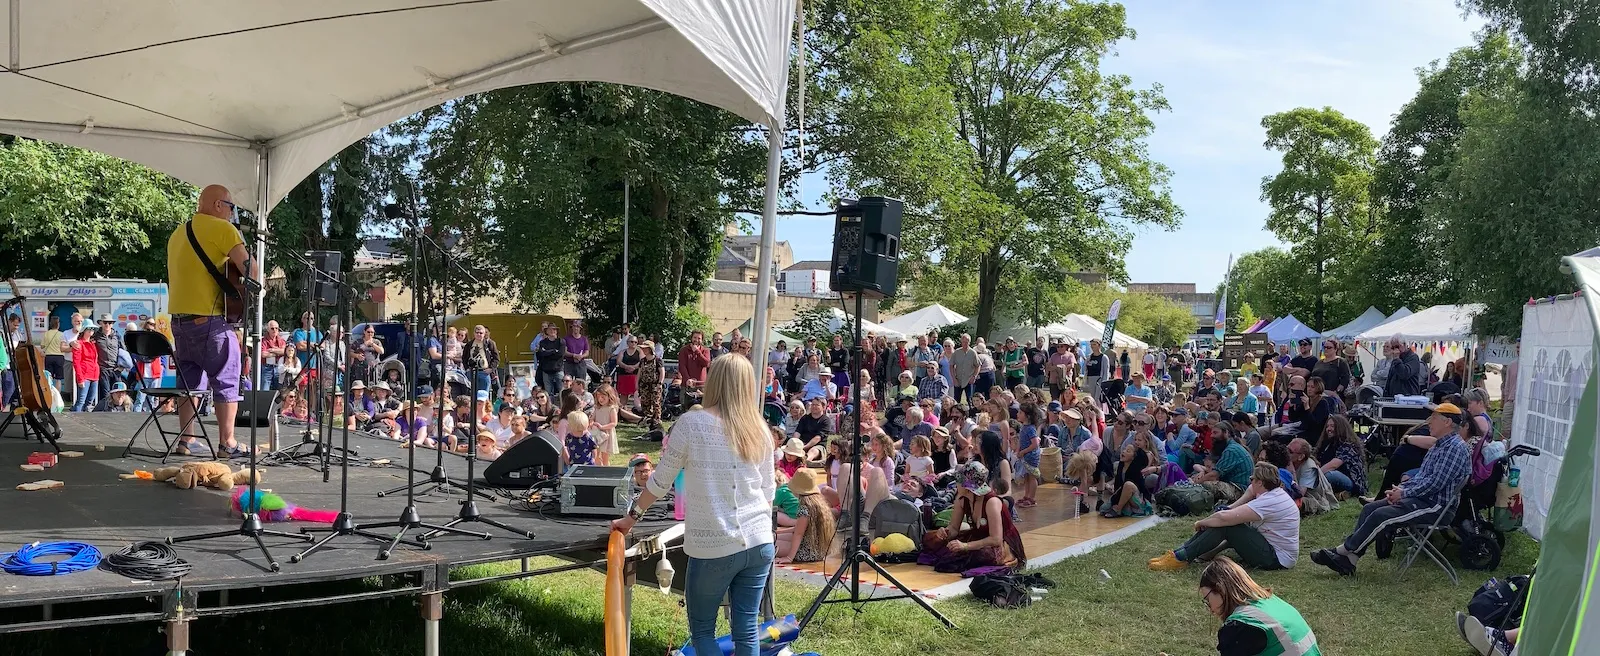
(190, 288)
(50, 342)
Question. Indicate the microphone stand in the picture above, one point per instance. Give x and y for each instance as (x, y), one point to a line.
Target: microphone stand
(409, 518)
(322, 447)
(344, 524)
(469, 506)
(250, 526)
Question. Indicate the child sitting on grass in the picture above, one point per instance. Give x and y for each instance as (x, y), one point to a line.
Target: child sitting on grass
(580, 446)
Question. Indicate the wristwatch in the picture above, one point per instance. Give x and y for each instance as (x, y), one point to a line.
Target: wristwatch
(636, 513)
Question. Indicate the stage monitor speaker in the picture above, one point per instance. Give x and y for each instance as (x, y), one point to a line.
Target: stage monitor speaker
(318, 286)
(866, 246)
(526, 463)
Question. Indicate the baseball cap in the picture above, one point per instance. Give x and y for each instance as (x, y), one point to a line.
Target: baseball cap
(1447, 409)
(1305, 341)
(1055, 406)
(483, 395)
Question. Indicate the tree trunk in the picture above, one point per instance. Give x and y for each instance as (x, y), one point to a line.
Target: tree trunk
(1321, 257)
(989, 267)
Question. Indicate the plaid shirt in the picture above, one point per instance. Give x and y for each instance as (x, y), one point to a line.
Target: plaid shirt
(932, 387)
(1443, 472)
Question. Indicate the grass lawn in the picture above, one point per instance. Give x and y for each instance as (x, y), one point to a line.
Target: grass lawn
(1136, 612)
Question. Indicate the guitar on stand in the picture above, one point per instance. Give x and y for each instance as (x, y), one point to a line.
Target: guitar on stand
(33, 388)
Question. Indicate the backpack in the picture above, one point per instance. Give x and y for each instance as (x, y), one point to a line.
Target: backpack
(895, 515)
(1498, 603)
(1001, 590)
(1186, 498)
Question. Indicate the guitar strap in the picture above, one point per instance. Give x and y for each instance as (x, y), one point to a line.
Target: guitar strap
(216, 275)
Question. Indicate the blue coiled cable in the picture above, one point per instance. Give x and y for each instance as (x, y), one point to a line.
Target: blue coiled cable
(79, 556)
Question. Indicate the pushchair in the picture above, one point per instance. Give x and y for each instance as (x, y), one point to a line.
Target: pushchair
(1111, 392)
(1481, 541)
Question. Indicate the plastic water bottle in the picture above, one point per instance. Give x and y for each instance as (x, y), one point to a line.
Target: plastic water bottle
(1515, 477)
(1077, 503)
(677, 498)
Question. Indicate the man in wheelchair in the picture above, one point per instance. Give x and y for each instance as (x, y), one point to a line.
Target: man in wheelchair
(1434, 489)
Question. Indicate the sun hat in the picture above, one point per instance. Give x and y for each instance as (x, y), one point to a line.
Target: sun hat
(974, 476)
(357, 385)
(380, 385)
(1073, 413)
(794, 447)
(803, 483)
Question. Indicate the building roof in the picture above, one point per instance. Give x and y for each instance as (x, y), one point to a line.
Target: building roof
(731, 287)
(748, 241)
(810, 265)
(380, 247)
(731, 258)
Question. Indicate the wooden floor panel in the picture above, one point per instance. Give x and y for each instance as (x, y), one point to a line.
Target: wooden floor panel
(1046, 527)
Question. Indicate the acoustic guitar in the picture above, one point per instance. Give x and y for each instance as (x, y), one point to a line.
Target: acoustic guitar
(27, 365)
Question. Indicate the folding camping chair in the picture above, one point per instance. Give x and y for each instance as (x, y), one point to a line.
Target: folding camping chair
(150, 344)
(1420, 535)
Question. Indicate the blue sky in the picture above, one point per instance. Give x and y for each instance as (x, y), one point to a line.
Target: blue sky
(1224, 65)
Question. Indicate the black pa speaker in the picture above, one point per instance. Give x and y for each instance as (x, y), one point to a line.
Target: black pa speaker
(526, 463)
(318, 284)
(866, 246)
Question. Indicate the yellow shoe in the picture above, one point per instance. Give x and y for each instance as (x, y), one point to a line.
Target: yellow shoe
(1167, 562)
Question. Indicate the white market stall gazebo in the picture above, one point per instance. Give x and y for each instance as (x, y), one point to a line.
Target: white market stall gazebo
(256, 95)
(922, 320)
(1372, 317)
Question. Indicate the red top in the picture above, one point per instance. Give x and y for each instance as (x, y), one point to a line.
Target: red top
(85, 360)
(693, 362)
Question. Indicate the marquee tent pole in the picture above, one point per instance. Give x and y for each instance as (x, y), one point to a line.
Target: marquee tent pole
(769, 237)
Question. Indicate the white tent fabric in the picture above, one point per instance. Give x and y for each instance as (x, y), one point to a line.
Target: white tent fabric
(256, 95)
(1399, 314)
(207, 89)
(1438, 323)
(843, 321)
(922, 320)
(1372, 317)
(1288, 329)
(1078, 328)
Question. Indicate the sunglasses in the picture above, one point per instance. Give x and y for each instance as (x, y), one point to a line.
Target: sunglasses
(1142, 423)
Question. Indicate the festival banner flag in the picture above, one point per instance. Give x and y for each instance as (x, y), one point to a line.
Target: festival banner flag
(1111, 323)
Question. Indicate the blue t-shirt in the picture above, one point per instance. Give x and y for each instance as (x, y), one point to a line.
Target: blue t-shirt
(1137, 390)
(581, 449)
(1029, 437)
(311, 339)
(433, 343)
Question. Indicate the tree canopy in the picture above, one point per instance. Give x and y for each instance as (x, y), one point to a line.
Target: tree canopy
(1019, 159)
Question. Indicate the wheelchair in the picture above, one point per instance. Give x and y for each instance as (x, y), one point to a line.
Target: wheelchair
(1481, 542)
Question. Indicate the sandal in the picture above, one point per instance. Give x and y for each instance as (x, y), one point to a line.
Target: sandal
(1026, 503)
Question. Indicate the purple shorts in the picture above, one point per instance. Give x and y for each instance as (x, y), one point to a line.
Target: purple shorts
(208, 356)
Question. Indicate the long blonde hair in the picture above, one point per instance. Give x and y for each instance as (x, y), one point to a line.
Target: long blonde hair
(730, 394)
(820, 528)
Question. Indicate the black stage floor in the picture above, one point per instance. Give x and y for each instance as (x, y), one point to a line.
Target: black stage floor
(98, 507)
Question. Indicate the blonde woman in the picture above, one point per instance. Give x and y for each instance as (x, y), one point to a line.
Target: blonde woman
(724, 452)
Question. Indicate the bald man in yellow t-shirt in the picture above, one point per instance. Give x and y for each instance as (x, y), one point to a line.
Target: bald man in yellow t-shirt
(207, 349)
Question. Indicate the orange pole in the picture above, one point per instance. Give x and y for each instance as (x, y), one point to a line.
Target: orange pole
(616, 596)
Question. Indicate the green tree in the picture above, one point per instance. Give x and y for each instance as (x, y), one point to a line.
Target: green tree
(1016, 155)
(1319, 200)
(1526, 179)
(1244, 317)
(72, 213)
(533, 179)
(1409, 264)
(1271, 282)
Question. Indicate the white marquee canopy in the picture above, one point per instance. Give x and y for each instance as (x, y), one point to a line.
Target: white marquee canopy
(201, 89)
(256, 95)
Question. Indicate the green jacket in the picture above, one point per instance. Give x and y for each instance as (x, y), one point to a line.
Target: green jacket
(1287, 632)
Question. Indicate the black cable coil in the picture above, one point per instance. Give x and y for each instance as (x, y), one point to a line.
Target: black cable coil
(147, 561)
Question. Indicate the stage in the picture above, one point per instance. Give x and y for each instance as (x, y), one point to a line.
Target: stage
(98, 507)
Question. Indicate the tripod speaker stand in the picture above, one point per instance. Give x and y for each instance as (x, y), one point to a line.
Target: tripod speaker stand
(866, 260)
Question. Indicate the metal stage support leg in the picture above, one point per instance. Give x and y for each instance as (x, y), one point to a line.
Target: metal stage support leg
(177, 637)
(432, 612)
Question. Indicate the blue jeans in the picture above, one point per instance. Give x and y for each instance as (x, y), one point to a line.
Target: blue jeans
(741, 577)
(269, 376)
(1340, 482)
(484, 383)
(88, 395)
